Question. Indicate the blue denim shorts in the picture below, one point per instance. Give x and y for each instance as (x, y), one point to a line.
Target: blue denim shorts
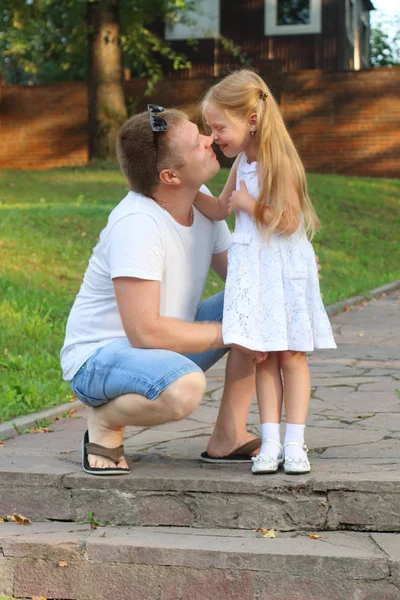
(117, 368)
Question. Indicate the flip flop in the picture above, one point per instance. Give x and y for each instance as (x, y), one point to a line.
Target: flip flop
(112, 453)
(240, 455)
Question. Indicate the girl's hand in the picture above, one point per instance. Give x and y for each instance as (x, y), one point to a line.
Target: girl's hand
(241, 200)
(256, 356)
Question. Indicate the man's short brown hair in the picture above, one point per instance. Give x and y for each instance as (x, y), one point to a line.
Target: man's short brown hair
(142, 157)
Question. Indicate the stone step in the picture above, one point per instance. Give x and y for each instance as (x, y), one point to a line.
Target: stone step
(60, 561)
(365, 497)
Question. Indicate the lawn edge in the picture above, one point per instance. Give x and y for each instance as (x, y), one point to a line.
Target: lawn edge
(338, 307)
(8, 429)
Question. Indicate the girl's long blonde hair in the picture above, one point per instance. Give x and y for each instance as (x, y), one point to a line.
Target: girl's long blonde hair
(241, 94)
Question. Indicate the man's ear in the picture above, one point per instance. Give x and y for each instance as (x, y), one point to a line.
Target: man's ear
(169, 177)
(253, 122)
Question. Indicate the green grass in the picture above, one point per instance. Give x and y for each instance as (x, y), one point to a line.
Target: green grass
(50, 220)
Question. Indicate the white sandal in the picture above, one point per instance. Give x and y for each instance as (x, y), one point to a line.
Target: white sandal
(296, 466)
(265, 463)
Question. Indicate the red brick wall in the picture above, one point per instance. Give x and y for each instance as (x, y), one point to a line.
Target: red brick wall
(346, 122)
(43, 126)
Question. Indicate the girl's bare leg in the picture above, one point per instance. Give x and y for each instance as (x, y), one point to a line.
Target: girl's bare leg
(296, 377)
(269, 389)
(269, 396)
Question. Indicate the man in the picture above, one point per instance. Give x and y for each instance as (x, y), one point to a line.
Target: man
(138, 338)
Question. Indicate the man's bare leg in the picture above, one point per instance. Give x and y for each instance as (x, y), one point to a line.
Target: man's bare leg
(106, 424)
(230, 430)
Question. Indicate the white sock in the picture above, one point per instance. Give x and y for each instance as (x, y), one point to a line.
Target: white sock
(294, 433)
(270, 431)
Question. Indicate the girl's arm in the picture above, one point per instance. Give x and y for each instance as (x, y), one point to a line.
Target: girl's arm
(291, 216)
(216, 209)
(290, 219)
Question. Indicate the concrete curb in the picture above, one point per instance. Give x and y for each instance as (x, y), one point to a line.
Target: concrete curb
(8, 429)
(11, 428)
(338, 307)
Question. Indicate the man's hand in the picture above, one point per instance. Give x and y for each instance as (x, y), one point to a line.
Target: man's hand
(241, 200)
(257, 357)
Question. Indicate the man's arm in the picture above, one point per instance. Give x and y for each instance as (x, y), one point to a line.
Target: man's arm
(138, 303)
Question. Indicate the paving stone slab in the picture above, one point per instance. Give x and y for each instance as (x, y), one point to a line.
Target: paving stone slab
(390, 421)
(386, 448)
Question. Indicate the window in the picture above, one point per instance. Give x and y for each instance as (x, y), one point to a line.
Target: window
(204, 23)
(292, 17)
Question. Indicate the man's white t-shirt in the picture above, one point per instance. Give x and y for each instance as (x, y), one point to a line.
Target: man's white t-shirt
(141, 240)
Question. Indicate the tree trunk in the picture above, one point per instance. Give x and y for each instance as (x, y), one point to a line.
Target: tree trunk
(107, 107)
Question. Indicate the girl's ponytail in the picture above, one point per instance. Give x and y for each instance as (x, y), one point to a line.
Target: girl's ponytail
(278, 166)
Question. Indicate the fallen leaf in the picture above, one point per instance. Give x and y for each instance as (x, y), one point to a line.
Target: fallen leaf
(39, 430)
(360, 335)
(21, 520)
(1, 444)
(10, 518)
(63, 563)
(65, 452)
(103, 534)
(38, 598)
(314, 536)
(72, 411)
(220, 378)
(269, 533)
(1, 520)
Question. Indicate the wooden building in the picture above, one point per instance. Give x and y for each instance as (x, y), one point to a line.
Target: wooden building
(331, 35)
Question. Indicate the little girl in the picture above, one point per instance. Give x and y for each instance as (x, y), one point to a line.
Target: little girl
(272, 298)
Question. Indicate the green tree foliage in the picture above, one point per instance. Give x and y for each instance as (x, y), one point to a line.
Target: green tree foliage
(43, 41)
(385, 47)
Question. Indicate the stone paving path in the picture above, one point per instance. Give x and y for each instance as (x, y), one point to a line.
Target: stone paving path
(353, 423)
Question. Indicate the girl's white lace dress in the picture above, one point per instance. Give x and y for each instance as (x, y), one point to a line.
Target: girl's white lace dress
(272, 298)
